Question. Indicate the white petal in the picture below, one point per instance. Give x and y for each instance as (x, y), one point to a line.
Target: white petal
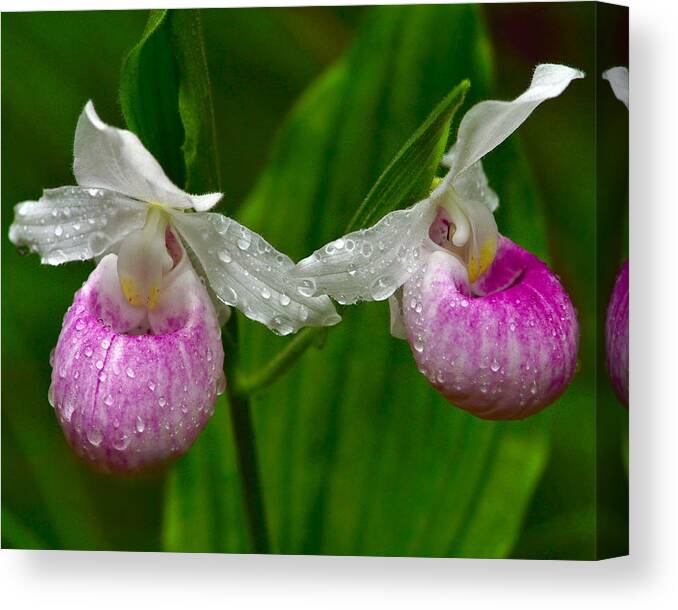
(489, 123)
(202, 203)
(473, 185)
(398, 329)
(115, 159)
(246, 272)
(72, 223)
(370, 264)
(619, 81)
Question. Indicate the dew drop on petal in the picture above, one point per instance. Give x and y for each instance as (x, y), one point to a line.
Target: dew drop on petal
(79, 324)
(225, 256)
(58, 231)
(108, 400)
(129, 372)
(495, 366)
(161, 401)
(244, 242)
(94, 436)
(121, 441)
(140, 425)
(382, 288)
(306, 288)
(284, 300)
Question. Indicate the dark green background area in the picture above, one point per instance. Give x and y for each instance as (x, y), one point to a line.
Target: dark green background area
(358, 454)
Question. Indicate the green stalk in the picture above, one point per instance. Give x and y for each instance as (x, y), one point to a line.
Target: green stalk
(240, 410)
(248, 385)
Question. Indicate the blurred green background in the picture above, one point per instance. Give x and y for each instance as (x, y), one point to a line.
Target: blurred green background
(358, 454)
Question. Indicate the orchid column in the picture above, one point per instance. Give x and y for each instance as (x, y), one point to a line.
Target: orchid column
(490, 326)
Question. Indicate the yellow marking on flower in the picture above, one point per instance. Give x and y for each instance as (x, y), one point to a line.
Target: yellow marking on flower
(478, 265)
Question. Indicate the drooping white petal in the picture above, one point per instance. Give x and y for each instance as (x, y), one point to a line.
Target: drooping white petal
(115, 159)
(369, 264)
(73, 223)
(489, 123)
(398, 329)
(246, 272)
(619, 81)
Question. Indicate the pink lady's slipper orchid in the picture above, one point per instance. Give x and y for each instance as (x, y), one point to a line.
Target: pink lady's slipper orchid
(489, 325)
(139, 360)
(617, 323)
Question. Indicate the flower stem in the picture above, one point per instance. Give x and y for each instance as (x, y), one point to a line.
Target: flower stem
(246, 452)
(248, 385)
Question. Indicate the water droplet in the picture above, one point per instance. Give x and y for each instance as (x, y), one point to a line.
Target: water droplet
(382, 288)
(512, 327)
(140, 425)
(161, 401)
(102, 376)
(97, 242)
(281, 326)
(225, 256)
(79, 324)
(68, 408)
(418, 344)
(58, 231)
(265, 293)
(151, 386)
(94, 436)
(306, 288)
(108, 400)
(495, 366)
(50, 395)
(339, 244)
(121, 441)
(99, 364)
(244, 242)
(284, 300)
(129, 372)
(464, 303)
(106, 343)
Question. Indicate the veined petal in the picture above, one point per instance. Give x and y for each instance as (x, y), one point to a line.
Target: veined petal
(489, 123)
(619, 81)
(502, 348)
(115, 159)
(130, 400)
(369, 264)
(72, 223)
(247, 272)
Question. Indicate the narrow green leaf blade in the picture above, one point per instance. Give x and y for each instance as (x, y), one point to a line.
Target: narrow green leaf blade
(149, 92)
(408, 177)
(166, 98)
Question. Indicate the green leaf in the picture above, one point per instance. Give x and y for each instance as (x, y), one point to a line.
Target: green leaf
(166, 98)
(149, 93)
(408, 177)
(358, 454)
